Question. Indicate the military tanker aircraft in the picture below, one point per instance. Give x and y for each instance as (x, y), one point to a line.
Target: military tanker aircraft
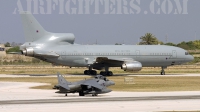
(60, 49)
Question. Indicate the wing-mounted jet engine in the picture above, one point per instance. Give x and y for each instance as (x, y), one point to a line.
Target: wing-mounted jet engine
(131, 66)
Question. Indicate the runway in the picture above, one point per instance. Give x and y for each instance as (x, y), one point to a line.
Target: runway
(68, 75)
(107, 99)
(16, 96)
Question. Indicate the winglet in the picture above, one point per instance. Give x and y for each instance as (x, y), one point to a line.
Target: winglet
(62, 82)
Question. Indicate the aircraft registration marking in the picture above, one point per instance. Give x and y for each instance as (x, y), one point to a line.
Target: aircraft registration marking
(122, 51)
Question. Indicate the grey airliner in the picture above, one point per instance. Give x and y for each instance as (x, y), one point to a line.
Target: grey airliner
(60, 49)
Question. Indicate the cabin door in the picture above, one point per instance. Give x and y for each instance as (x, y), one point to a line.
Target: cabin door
(137, 53)
(174, 54)
(63, 54)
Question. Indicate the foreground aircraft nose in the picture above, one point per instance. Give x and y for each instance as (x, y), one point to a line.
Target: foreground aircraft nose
(109, 83)
(112, 83)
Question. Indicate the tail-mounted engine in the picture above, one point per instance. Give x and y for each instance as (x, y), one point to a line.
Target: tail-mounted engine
(132, 66)
(28, 52)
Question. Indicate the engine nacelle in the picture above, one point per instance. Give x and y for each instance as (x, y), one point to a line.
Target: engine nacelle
(132, 66)
(28, 52)
(70, 38)
(62, 37)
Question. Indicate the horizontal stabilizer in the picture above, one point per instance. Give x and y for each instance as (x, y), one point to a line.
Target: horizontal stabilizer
(52, 54)
(20, 53)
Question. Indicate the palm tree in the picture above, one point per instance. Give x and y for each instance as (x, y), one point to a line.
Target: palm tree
(148, 39)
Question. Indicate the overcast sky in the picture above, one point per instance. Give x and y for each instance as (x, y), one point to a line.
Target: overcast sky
(179, 25)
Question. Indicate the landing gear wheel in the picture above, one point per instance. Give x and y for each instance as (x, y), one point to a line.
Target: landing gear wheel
(81, 94)
(93, 72)
(162, 72)
(90, 72)
(109, 73)
(87, 72)
(94, 95)
(65, 94)
(103, 73)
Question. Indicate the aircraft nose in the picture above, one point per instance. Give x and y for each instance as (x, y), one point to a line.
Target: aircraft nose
(112, 83)
(190, 58)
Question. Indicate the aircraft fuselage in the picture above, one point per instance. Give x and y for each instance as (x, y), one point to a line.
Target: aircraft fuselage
(148, 55)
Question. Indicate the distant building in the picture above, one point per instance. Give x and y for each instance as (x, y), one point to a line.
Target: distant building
(2, 50)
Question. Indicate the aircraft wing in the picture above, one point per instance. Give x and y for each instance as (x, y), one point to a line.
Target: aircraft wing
(92, 83)
(112, 60)
(108, 60)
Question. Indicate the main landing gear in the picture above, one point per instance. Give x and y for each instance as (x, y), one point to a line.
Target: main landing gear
(90, 72)
(106, 72)
(94, 94)
(81, 93)
(93, 72)
(163, 71)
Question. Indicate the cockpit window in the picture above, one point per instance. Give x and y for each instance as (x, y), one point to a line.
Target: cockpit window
(186, 53)
(105, 79)
(101, 77)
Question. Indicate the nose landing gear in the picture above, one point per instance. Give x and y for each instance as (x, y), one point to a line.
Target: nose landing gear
(163, 71)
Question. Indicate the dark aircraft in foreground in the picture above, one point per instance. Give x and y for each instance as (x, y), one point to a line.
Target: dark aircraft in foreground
(92, 86)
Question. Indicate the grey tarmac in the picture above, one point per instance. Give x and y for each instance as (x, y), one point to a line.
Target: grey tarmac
(107, 99)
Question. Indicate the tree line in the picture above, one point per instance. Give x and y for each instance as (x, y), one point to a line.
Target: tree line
(150, 39)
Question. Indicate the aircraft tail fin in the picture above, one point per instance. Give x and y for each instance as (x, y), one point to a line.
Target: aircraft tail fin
(62, 82)
(32, 29)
